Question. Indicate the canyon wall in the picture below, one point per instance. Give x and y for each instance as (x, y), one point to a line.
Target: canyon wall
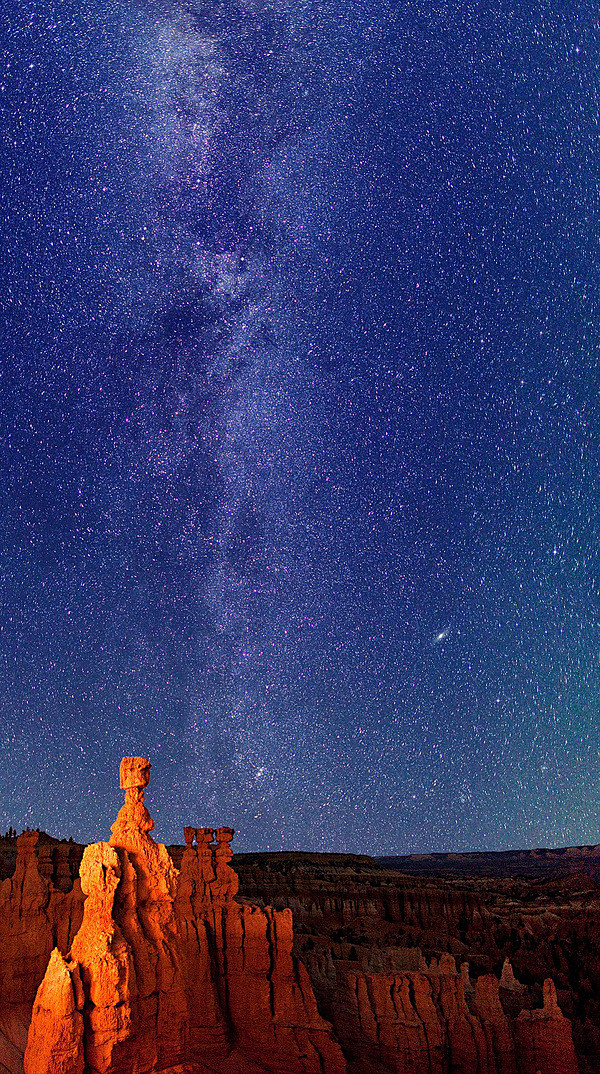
(355, 920)
(41, 908)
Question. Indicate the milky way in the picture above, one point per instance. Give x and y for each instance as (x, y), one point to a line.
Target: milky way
(299, 420)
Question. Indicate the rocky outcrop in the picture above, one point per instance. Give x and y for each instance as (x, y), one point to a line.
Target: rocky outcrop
(422, 1022)
(56, 1035)
(499, 1055)
(353, 916)
(261, 990)
(35, 917)
(173, 972)
(543, 1038)
(154, 961)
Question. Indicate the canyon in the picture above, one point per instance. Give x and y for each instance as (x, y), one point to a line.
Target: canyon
(129, 956)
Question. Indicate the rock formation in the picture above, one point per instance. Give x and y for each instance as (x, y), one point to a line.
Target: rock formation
(543, 1038)
(159, 961)
(35, 917)
(168, 971)
(380, 950)
(421, 1021)
(55, 1040)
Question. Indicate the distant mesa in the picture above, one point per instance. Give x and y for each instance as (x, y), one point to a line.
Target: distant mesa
(152, 962)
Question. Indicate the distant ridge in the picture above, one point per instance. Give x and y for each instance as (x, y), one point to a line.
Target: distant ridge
(543, 862)
(540, 862)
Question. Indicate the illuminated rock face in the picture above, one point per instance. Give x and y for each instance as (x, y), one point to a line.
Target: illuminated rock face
(36, 916)
(56, 1033)
(543, 1038)
(143, 967)
(168, 970)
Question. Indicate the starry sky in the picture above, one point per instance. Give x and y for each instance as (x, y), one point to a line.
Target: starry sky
(299, 424)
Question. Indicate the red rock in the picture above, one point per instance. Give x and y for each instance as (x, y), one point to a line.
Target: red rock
(55, 1041)
(226, 881)
(500, 1052)
(105, 961)
(508, 979)
(352, 915)
(174, 970)
(420, 1022)
(543, 1039)
(35, 917)
(261, 991)
(169, 970)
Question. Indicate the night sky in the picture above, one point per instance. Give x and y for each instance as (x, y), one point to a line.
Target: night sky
(299, 421)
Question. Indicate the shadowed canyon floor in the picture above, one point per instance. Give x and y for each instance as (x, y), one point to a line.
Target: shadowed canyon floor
(128, 956)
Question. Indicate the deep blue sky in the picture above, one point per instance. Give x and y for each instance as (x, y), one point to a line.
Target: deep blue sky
(299, 420)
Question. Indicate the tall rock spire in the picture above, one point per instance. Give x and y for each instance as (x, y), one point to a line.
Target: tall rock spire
(168, 969)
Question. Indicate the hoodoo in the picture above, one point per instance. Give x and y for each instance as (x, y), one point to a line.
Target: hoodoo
(168, 970)
(140, 966)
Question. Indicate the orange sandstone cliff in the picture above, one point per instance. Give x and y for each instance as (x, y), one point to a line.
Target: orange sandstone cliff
(140, 966)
